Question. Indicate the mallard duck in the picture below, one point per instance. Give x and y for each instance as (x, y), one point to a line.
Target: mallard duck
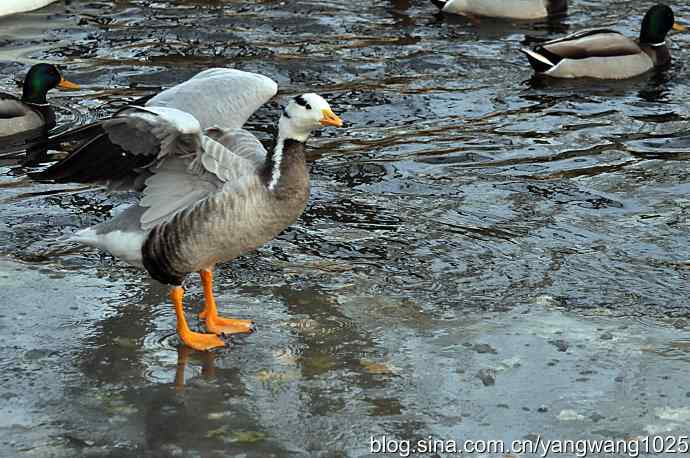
(208, 193)
(507, 9)
(8, 7)
(32, 112)
(607, 54)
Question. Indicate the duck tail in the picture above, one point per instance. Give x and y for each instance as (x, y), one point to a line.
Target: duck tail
(539, 63)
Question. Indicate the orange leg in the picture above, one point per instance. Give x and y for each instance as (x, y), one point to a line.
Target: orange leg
(195, 340)
(215, 323)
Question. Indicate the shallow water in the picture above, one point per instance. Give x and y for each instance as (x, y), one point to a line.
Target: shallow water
(486, 255)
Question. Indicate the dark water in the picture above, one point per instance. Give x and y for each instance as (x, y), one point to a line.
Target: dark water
(486, 255)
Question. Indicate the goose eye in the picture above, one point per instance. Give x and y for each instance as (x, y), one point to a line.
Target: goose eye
(307, 106)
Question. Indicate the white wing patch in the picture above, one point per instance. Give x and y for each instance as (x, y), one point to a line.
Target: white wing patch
(154, 131)
(538, 57)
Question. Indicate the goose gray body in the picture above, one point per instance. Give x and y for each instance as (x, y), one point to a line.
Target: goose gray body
(218, 221)
(207, 195)
(508, 9)
(229, 223)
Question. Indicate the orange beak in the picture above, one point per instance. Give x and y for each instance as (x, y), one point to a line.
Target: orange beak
(678, 27)
(330, 118)
(64, 84)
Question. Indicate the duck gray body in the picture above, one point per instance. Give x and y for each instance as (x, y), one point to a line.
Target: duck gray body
(507, 9)
(605, 53)
(17, 117)
(597, 53)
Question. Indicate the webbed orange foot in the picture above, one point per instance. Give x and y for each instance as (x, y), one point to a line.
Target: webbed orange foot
(195, 340)
(201, 341)
(220, 325)
(215, 323)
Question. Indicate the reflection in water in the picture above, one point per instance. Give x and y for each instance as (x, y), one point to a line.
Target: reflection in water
(656, 89)
(208, 369)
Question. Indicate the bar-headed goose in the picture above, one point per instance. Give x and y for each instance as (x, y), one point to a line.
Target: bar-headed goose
(32, 113)
(506, 9)
(209, 193)
(607, 54)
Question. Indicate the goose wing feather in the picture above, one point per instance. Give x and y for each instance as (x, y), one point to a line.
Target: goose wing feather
(219, 96)
(173, 187)
(241, 142)
(224, 163)
(154, 131)
(162, 151)
(180, 182)
(188, 166)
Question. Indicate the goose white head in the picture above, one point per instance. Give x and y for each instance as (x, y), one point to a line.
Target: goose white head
(303, 114)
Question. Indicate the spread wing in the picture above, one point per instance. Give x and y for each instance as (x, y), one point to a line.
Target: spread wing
(219, 96)
(160, 148)
(591, 43)
(154, 132)
(121, 149)
(162, 152)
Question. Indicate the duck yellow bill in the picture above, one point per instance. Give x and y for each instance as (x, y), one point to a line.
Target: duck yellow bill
(64, 84)
(330, 118)
(679, 28)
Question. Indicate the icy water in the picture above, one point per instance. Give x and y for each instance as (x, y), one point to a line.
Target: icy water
(485, 255)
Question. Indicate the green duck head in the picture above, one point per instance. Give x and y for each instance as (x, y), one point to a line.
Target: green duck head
(657, 23)
(42, 78)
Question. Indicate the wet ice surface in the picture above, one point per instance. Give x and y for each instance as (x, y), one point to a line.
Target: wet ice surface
(485, 255)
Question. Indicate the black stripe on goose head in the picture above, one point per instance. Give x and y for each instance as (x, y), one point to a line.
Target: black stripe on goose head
(302, 101)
